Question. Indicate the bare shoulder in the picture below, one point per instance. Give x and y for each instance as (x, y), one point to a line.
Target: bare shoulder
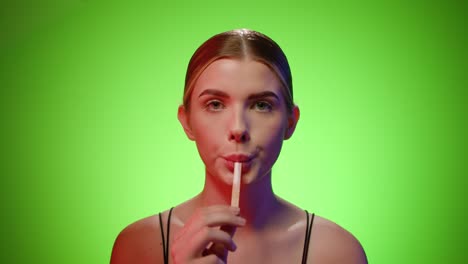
(139, 242)
(330, 243)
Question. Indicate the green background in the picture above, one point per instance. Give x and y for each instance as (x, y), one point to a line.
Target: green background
(91, 141)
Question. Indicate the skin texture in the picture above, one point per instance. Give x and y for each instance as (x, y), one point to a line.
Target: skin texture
(237, 113)
(227, 117)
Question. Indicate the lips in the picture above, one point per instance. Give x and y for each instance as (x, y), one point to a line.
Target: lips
(245, 160)
(238, 158)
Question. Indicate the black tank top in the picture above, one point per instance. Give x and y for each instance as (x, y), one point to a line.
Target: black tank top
(165, 240)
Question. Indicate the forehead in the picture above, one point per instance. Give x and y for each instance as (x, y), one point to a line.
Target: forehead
(237, 76)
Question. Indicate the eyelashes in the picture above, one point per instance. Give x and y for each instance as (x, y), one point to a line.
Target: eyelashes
(263, 106)
(216, 105)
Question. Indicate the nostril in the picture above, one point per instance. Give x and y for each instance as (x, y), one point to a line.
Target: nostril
(243, 137)
(239, 137)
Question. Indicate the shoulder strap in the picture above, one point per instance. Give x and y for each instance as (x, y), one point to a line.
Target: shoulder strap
(307, 237)
(165, 246)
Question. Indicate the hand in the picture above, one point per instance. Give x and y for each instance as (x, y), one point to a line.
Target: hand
(207, 236)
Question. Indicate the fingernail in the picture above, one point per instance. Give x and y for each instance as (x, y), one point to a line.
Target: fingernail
(241, 220)
(233, 246)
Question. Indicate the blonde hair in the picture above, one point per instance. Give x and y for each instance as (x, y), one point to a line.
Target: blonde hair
(240, 44)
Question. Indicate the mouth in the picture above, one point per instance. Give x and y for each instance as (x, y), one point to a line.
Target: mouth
(245, 160)
(239, 158)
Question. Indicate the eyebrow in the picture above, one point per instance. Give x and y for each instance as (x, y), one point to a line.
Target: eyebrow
(213, 92)
(251, 97)
(263, 95)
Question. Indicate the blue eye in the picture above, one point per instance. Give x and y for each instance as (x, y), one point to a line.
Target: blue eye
(214, 105)
(263, 106)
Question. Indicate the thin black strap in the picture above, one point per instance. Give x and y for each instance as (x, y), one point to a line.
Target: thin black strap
(165, 246)
(162, 236)
(307, 237)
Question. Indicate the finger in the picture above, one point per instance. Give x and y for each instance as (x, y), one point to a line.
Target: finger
(217, 249)
(205, 212)
(210, 235)
(210, 217)
(230, 229)
(220, 242)
(210, 259)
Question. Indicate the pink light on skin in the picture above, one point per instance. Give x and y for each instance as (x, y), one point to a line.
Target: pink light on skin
(245, 160)
(237, 114)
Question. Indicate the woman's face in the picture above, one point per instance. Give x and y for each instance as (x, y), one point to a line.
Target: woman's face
(238, 114)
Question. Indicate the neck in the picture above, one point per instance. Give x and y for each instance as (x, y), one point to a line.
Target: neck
(257, 200)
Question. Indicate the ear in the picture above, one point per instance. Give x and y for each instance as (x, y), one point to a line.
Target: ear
(182, 115)
(293, 118)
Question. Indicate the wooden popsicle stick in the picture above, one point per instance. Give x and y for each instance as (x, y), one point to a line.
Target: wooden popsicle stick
(236, 184)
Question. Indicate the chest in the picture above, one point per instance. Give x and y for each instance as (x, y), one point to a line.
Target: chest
(282, 248)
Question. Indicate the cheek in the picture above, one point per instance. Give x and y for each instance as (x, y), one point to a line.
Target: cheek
(271, 129)
(208, 127)
(271, 136)
(275, 143)
(208, 132)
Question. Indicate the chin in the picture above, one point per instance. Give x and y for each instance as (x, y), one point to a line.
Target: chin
(251, 180)
(253, 176)
(222, 176)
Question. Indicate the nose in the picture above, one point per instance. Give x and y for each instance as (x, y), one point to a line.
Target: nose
(239, 136)
(239, 131)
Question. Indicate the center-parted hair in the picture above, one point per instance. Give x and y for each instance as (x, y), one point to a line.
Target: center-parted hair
(240, 44)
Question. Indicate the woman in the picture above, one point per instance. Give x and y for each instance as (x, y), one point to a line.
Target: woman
(238, 108)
